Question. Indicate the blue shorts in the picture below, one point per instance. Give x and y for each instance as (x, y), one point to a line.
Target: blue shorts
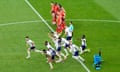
(67, 46)
(33, 47)
(83, 47)
(53, 55)
(59, 49)
(76, 53)
(69, 38)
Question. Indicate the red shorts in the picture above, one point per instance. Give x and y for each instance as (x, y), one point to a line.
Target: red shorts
(59, 29)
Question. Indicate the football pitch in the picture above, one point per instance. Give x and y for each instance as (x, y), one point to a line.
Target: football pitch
(99, 20)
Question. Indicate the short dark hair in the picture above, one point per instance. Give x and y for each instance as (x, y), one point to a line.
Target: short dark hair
(52, 32)
(44, 50)
(27, 37)
(71, 22)
(60, 5)
(52, 2)
(46, 42)
(55, 3)
(83, 36)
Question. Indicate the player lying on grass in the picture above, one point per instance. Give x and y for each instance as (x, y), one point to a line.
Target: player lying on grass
(50, 55)
(83, 47)
(31, 46)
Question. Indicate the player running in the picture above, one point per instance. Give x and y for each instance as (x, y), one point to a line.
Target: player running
(31, 47)
(50, 55)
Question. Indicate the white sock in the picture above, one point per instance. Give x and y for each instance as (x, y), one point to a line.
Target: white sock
(38, 51)
(75, 57)
(51, 66)
(62, 54)
(87, 50)
(60, 58)
(81, 51)
(28, 52)
(66, 52)
(65, 57)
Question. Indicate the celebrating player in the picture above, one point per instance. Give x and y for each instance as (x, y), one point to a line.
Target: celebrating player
(54, 10)
(60, 19)
(50, 55)
(48, 45)
(31, 45)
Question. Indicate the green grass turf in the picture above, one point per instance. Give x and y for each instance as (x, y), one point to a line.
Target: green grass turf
(111, 7)
(99, 35)
(12, 11)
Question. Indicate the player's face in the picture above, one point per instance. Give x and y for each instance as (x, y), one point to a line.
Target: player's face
(26, 39)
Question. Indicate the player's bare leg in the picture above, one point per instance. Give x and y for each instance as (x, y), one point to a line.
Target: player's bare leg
(39, 51)
(28, 53)
(60, 58)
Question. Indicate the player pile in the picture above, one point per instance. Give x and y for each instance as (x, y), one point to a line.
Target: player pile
(55, 54)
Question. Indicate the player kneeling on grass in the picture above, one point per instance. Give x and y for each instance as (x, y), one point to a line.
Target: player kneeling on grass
(50, 54)
(75, 52)
(31, 45)
(83, 45)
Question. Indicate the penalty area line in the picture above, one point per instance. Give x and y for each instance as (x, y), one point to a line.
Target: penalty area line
(45, 22)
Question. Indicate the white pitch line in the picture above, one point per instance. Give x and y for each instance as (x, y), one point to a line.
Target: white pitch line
(39, 15)
(47, 20)
(22, 22)
(86, 20)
